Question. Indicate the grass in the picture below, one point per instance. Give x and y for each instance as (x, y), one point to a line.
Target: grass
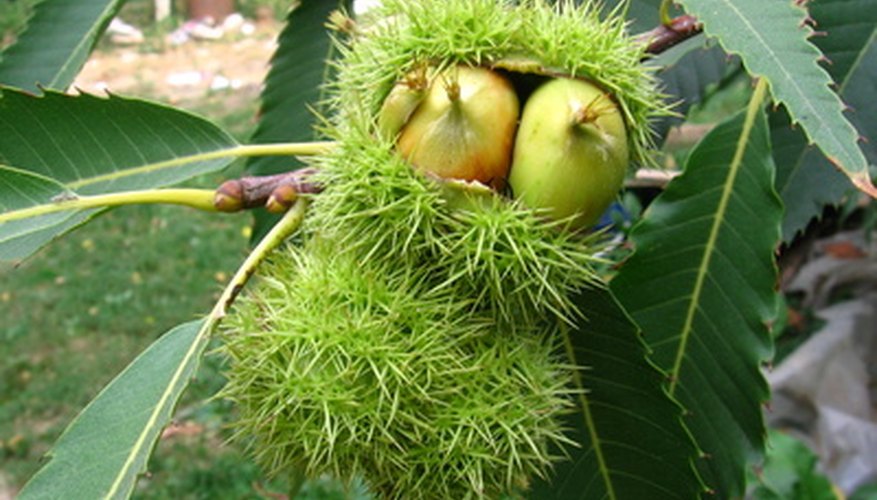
(79, 311)
(75, 315)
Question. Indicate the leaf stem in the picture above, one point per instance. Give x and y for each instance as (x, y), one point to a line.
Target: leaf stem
(255, 191)
(202, 199)
(664, 12)
(670, 33)
(287, 225)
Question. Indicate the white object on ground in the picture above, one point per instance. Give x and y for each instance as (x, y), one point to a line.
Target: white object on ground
(123, 33)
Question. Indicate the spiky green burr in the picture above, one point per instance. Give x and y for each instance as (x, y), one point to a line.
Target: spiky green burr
(346, 371)
(409, 336)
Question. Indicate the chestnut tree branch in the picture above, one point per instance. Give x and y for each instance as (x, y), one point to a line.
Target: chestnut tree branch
(256, 191)
(667, 35)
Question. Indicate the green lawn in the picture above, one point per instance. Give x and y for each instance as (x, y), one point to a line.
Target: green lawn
(74, 315)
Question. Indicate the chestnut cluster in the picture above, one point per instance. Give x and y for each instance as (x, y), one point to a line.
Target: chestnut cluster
(414, 334)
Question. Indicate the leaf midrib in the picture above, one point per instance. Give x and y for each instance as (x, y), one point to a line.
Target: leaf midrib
(288, 224)
(702, 271)
(157, 410)
(597, 443)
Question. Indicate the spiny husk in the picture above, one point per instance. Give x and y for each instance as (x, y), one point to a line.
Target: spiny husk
(339, 370)
(410, 337)
(507, 259)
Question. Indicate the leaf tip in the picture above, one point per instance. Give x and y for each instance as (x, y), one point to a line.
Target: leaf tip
(863, 184)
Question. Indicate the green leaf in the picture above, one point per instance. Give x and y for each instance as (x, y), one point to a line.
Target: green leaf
(789, 471)
(293, 89)
(687, 70)
(20, 189)
(633, 441)
(643, 15)
(105, 449)
(89, 145)
(701, 287)
(58, 39)
(772, 40)
(95, 145)
(293, 86)
(805, 180)
(687, 80)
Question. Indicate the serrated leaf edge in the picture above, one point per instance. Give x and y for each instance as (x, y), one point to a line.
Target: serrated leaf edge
(859, 177)
(89, 38)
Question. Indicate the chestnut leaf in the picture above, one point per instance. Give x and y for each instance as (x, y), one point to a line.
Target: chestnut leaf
(293, 89)
(48, 56)
(20, 189)
(86, 145)
(806, 180)
(701, 285)
(634, 443)
(106, 448)
(772, 39)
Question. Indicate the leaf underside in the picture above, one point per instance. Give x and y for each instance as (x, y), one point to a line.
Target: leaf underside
(90, 145)
(772, 40)
(633, 442)
(806, 180)
(105, 449)
(20, 189)
(56, 43)
(701, 287)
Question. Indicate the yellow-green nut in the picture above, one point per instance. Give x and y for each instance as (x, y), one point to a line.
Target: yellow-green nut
(571, 152)
(464, 128)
